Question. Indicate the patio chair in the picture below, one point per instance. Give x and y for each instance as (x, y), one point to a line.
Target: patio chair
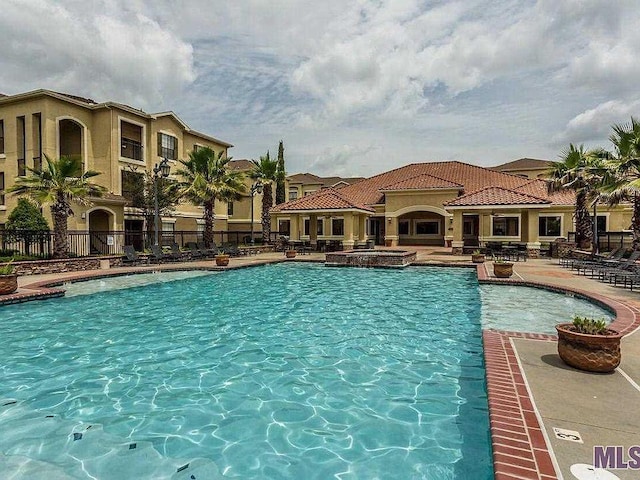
(131, 257)
(580, 263)
(157, 255)
(612, 268)
(176, 254)
(232, 249)
(207, 252)
(196, 254)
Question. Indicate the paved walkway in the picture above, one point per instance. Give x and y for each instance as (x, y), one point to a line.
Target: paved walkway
(544, 393)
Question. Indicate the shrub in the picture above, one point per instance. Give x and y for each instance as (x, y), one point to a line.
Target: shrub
(589, 326)
(6, 269)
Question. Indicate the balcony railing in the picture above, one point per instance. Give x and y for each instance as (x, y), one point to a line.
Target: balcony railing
(131, 149)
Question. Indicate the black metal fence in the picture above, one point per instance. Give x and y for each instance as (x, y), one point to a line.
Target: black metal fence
(35, 244)
(607, 241)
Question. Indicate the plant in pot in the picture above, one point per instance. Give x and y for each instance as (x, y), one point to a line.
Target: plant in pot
(290, 253)
(8, 279)
(477, 256)
(588, 344)
(502, 268)
(222, 259)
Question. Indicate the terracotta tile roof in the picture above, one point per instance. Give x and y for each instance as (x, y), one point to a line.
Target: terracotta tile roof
(523, 164)
(496, 196)
(325, 199)
(422, 182)
(311, 179)
(241, 164)
(538, 188)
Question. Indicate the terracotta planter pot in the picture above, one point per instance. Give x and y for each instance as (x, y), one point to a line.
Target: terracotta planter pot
(503, 270)
(479, 258)
(8, 284)
(291, 253)
(593, 353)
(222, 260)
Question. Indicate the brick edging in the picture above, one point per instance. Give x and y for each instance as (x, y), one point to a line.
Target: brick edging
(519, 446)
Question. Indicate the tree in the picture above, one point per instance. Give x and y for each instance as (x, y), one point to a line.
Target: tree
(206, 179)
(27, 225)
(280, 176)
(579, 170)
(138, 189)
(265, 170)
(60, 183)
(624, 182)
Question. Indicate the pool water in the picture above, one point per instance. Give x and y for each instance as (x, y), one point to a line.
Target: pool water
(281, 371)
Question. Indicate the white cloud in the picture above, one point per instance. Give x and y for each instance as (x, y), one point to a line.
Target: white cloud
(594, 125)
(88, 50)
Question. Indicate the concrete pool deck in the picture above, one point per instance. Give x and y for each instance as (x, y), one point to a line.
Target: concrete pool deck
(531, 391)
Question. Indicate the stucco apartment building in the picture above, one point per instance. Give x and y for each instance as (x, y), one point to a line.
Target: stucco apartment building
(440, 203)
(113, 139)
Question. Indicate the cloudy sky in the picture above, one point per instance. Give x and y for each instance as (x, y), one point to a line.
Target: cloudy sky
(352, 87)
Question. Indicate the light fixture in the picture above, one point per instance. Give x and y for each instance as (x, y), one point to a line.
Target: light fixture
(161, 170)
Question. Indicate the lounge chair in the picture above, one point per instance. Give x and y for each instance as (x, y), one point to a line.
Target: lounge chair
(131, 257)
(232, 249)
(176, 254)
(612, 258)
(207, 252)
(157, 255)
(604, 272)
(193, 250)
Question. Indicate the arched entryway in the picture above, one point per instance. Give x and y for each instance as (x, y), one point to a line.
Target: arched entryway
(70, 138)
(422, 225)
(101, 236)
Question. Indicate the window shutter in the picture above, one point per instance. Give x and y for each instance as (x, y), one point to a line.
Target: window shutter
(159, 144)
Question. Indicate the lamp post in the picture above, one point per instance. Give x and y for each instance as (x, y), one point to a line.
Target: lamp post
(255, 188)
(161, 170)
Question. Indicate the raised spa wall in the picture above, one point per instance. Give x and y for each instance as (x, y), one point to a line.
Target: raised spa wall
(371, 258)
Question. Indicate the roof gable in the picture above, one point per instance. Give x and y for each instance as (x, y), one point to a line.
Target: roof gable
(422, 182)
(325, 199)
(490, 196)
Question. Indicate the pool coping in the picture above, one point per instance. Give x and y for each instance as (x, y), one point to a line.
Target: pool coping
(520, 447)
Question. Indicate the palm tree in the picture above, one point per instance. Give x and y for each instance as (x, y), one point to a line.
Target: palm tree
(205, 178)
(579, 170)
(60, 183)
(624, 183)
(266, 171)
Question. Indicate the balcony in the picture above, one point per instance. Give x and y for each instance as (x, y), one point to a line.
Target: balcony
(131, 149)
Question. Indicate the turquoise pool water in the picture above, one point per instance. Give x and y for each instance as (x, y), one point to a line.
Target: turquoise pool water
(284, 371)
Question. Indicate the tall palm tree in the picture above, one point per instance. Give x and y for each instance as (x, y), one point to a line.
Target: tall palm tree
(60, 183)
(579, 170)
(205, 178)
(624, 183)
(265, 170)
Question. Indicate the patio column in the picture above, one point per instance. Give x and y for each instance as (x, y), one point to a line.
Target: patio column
(294, 226)
(532, 239)
(362, 228)
(391, 236)
(348, 242)
(313, 230)
(458, 243)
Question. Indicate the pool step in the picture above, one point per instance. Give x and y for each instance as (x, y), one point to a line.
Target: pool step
(33, 444)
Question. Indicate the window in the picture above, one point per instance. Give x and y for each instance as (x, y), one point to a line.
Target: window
(133, 187)
(337, 226)
(506, 226)
(427, 227)
(167, 146)
(549, 226)
(309, 193)
(284, 227)
(403, 227)
(197, 147)
(1, 188)
(293, 193)
(230, 209)
(131, 141)
(168, 229)
(1, 136)
(320, 227)
(602, 223)
(200, 227)
(306, 227)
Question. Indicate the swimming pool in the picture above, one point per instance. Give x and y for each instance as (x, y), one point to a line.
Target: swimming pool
(283, 371)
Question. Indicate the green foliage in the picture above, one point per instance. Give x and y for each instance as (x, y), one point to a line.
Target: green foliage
(477, 252)
(280, 176)
(502, 261)
(589, 326)
(26, 216)
(7, 269)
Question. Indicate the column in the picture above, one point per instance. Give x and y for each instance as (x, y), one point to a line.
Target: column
(362, 228)
(295, 226)
(313, 231)
(391, 236)
(457, 243)
(348, 241)
(533, 242)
